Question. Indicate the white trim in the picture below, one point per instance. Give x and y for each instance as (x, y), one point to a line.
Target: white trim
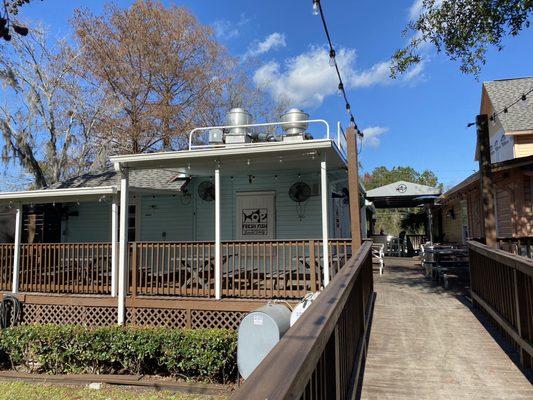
(123, 246)
(16, 251)
(325, 218)
(218, 271)
(258, 148)
(57, 193)
(114, 241)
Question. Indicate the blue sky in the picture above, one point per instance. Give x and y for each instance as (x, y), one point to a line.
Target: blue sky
(418, 120)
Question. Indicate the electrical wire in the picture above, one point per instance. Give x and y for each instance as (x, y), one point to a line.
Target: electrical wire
(317, 5)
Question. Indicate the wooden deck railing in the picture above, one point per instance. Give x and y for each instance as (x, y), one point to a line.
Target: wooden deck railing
(6, 266)
(172, 268)
(502, 287)
(285, 269)
(522, 246)
(83, 268)
(321, 356)
(271, 269)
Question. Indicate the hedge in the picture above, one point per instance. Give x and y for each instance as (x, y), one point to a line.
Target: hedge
(201, 354)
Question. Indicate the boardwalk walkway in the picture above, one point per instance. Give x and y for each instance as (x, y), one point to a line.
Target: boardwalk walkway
(426, 343)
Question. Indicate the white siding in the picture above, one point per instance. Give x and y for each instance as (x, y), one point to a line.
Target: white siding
(93, 223)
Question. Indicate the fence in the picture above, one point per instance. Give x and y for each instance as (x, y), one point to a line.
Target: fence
(502, 286)
(321, 356)
(82, 268)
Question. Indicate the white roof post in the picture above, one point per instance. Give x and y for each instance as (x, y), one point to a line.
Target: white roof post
(123, 245)
(114, 242)
(218, 271)
(325, 217)
(16, 249)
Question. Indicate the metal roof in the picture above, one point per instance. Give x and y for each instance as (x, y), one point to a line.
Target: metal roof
(506, 91)
(400, 194)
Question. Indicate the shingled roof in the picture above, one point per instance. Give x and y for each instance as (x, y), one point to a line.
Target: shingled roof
(504, 92)
(155, 179)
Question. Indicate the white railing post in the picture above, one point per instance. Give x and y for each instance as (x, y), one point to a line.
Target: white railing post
(218, 271)
(325, 216)
(114, 241)
(16, 250)
(123, 245)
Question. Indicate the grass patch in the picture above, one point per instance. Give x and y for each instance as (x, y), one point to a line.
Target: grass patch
(38, 391)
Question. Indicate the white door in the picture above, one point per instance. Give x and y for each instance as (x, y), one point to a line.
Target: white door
(255, 215)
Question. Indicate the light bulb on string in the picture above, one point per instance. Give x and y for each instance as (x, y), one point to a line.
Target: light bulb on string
(340, 92)
(332, 57)
(348, 109)
(316, 7)
(523, 101)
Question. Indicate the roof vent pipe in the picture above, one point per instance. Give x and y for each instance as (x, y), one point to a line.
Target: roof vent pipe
(238, 116)
(293, 126)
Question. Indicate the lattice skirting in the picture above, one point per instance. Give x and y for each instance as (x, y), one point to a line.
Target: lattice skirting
(184, 318)
(68, 314)
(145, 315)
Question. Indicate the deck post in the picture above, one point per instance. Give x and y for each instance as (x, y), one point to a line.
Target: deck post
(123, 244)
(325, 216)
(486, 182)
(114, 241)
(353, 187)
(218, 272)
(16, 250)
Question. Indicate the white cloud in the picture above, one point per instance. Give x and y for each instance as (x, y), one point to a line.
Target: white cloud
(418, 6)
(372, 135)
(225, 29)
(272, 42)
(416, 9)
(307, 79)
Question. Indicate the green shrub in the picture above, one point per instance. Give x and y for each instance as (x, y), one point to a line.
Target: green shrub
(203, 354)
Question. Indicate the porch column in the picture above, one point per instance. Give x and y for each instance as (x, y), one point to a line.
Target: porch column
(114, 241)
(16, 249)
(123, 245)
(353, 187)
(486, 183)
(218, 269)
(325, 228)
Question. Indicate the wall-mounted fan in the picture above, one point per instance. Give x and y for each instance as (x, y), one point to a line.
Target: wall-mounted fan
(344, 195)
(206, 191)
(300, 192)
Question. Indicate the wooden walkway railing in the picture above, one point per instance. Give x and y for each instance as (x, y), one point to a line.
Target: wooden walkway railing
(7, 251)
(502, 287)
(81, 268)
(321, 356)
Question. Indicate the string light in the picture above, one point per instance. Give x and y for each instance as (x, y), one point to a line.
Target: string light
(317, 10)
(315, 7)
(505, 110)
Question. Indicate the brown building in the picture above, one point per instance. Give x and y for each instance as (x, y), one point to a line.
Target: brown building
(511, 153)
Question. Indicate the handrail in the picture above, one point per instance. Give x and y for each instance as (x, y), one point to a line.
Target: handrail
(264, 124)
(294, 362)
(502, 287)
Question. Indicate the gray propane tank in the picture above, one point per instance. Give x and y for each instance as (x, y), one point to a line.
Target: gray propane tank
(258, 333)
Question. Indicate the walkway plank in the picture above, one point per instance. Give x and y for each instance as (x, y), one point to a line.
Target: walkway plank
(426, 344)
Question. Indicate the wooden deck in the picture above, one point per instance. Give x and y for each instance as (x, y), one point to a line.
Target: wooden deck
(426, 343)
